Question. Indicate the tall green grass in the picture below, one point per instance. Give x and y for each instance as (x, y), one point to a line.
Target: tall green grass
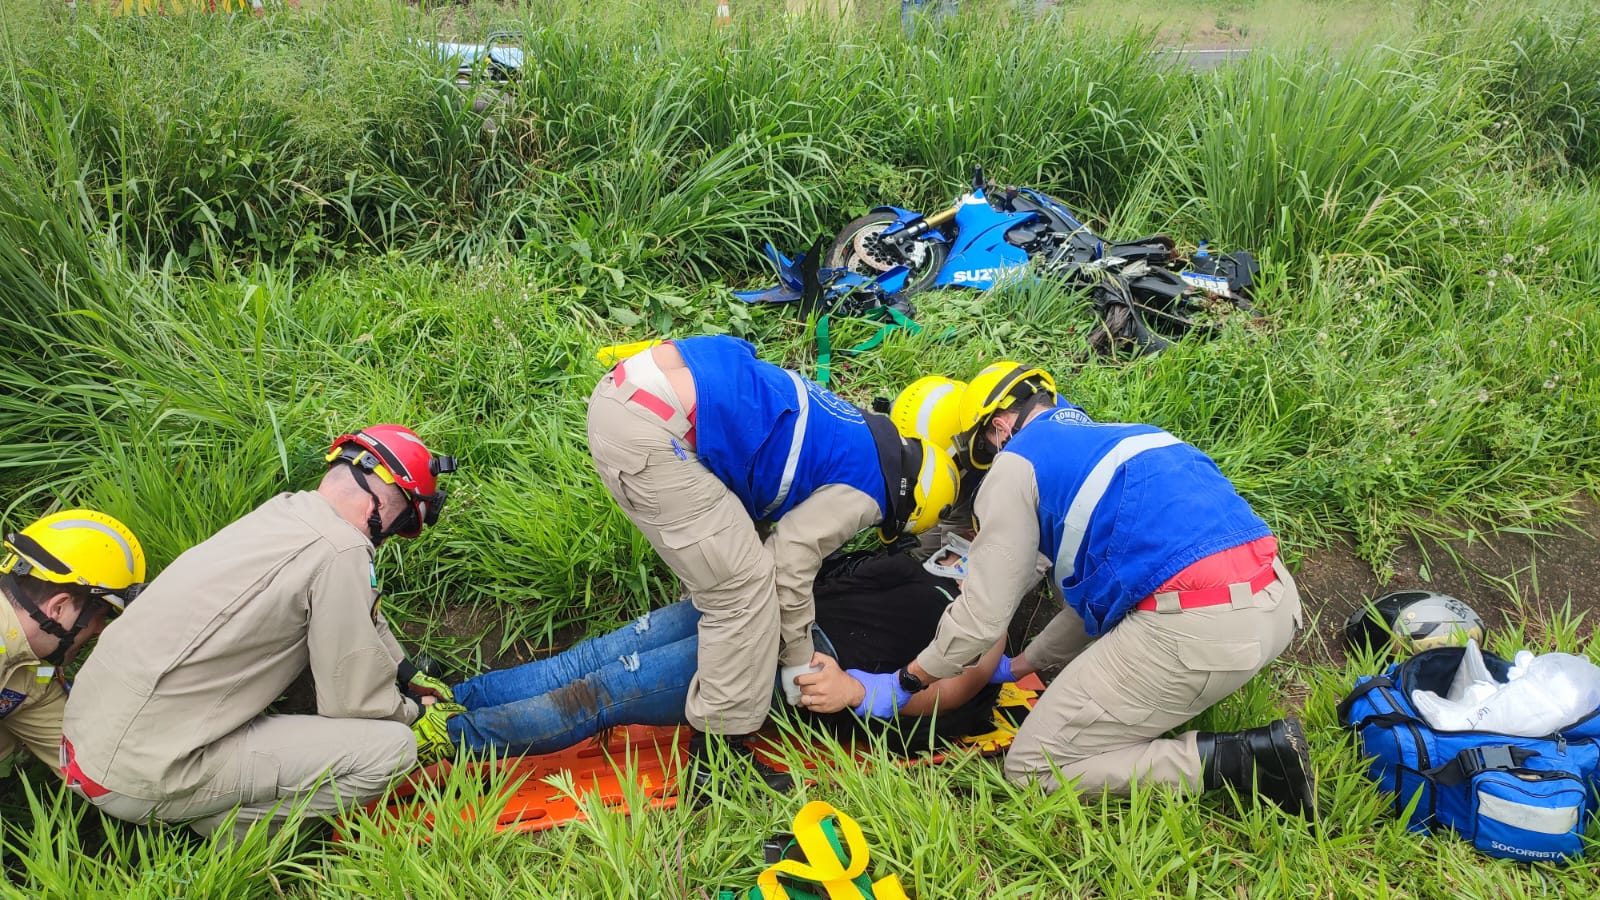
(224, 240)
(1428, 351)
(953, 831)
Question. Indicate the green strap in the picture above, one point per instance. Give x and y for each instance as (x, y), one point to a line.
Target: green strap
(824, 350)
(893, 319)
(897, 319)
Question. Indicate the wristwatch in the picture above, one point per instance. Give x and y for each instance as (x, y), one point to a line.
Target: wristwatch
(909, 682)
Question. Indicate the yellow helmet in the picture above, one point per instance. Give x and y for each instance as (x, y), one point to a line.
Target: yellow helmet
(81, 547)
(930, 407)
(997, 388)
(938, 482)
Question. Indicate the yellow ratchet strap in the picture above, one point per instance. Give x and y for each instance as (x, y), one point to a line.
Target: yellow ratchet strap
(823, 864)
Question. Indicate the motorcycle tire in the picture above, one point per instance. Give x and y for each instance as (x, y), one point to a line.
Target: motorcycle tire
(856, 250)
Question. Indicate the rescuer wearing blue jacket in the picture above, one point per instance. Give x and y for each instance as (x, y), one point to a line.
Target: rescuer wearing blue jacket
(698, 441)
(1172, 593)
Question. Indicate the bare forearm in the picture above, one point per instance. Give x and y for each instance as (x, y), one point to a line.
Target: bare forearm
(949, 693)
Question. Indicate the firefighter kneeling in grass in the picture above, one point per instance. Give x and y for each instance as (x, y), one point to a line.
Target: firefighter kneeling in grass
(167, 720)
(61, 578)
(698, 441)
(1173, 598)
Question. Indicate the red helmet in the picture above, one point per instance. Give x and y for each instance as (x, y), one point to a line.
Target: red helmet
(396, 455)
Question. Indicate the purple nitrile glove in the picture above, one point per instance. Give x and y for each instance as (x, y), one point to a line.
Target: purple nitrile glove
(884, 696)
(1002, 672)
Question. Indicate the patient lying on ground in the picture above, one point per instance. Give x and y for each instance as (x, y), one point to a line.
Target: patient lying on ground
(873, 612)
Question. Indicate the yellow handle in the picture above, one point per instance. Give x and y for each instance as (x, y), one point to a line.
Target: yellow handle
(610, 356)
(889, 888)
(822, 865)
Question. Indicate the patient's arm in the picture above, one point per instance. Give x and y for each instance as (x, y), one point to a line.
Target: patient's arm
(949, 693)
(833, 689)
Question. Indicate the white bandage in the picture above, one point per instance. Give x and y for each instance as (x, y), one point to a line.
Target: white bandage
(786, 677)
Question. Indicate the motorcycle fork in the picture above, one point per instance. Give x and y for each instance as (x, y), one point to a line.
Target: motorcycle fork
(917, 229)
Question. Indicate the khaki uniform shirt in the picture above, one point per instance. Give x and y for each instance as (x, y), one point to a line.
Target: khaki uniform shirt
(218, 637)
(1002, 567)
(30, 710)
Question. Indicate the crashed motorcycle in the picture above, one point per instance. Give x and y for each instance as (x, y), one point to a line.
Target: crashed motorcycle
(1145, 292)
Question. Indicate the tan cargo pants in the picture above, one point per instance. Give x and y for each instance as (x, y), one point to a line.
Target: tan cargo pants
(276, 765)
(1101, 720)
(702, 532)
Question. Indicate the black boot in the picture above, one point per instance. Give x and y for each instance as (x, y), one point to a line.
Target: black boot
(719, 756)
(1271, 761)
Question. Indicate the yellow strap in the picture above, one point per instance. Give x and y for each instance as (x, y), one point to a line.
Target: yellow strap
(822, 864)
(889, 889)
(610, 356)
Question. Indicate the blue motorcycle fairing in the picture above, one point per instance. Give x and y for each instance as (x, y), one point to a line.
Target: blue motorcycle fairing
(836, 282)
(905, 215)
(1054, 205)
(778, 293)
(981, 255)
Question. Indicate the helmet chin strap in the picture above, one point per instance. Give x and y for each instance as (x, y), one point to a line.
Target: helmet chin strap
(1034, 401)
(64, 636)
(375, 529)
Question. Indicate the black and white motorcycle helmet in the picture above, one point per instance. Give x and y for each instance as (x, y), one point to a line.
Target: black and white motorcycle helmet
(1412, 621)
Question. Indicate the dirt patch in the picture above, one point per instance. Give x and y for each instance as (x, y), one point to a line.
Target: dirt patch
(1512, 579)
(470, 638)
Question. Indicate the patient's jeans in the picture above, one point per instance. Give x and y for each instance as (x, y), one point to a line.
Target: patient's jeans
(636, 675)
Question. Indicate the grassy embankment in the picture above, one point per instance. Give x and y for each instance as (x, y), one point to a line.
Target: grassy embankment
(223, 240)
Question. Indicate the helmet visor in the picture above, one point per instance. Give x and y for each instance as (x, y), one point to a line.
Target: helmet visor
(422, 512)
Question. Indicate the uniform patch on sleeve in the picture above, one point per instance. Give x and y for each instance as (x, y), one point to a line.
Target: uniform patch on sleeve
(10, 700)
(377, 593)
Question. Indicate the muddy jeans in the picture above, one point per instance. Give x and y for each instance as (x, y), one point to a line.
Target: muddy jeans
(636, 675)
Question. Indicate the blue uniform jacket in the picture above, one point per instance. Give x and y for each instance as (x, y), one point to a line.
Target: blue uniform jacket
(771, 435)
(1123, 508)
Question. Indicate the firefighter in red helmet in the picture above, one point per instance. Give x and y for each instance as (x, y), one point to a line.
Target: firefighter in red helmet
(168, 719)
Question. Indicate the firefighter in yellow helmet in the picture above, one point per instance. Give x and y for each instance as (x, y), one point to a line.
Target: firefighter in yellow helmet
(1000, 387)
(62, 577)
(1171, 593)
(699, 440)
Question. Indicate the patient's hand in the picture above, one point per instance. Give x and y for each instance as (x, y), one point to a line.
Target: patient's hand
(831, 689)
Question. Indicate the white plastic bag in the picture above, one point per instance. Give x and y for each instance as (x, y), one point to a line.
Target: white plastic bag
(1547, 693)
(1472, 683)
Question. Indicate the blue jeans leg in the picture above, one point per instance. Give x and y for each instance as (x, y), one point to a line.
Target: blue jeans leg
(650, 631)
(646, 688)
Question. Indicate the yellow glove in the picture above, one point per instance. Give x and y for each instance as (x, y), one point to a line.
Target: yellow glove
(433, 732)
(419, 684)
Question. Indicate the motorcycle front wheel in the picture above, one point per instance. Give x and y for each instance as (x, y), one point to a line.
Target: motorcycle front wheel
(861, 249)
